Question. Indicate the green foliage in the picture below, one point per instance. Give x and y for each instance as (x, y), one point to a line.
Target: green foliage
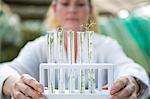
(131, 35)
(88, 26)
(9, 29)
(1, 13)
(14, 35)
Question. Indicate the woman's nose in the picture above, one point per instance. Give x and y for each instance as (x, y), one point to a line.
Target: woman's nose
(72, 8)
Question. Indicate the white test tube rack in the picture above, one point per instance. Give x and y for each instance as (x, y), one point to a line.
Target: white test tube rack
(98, 94)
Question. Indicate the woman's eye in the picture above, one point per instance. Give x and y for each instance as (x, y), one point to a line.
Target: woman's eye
(65, 3)
(80, 4)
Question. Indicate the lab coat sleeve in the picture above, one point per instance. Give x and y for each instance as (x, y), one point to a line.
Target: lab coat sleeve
(5, 72)
(27, 62)
(30, 57)
(124, 65)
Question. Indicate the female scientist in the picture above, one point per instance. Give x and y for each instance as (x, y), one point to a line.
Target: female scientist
(19, 78)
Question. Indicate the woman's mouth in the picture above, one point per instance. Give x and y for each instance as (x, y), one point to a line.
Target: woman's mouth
(71, 19)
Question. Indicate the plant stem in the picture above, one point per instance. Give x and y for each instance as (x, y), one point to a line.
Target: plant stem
(71, 60)
(50, 60)
(91, 73)
(60, 40)
(81, 76)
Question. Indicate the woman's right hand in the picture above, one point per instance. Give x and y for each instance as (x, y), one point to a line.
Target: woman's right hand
(25, 87)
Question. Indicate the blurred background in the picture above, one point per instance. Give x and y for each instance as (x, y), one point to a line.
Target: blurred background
(128, 21)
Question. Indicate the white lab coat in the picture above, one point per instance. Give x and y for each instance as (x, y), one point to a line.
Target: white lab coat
(106, 50)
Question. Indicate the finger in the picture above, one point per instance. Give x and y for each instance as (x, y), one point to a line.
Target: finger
(118, 85)
(28, 91)
(19, 95)
(42, 97)
(105, 87)
(27, 79)
(133, 96)
(126, 92)
(116, 97)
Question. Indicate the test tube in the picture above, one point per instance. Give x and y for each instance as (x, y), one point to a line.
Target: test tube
(71, 60)
(50, 41)
(60, 44)
(91, 74)
(81, 79)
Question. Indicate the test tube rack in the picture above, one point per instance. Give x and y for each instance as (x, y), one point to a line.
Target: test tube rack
(75, 94)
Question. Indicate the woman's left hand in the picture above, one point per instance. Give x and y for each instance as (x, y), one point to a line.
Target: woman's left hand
(124, 88)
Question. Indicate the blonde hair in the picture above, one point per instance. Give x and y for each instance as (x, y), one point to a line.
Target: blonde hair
(52, 23)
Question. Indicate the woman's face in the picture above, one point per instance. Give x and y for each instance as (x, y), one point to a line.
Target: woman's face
(72, 13)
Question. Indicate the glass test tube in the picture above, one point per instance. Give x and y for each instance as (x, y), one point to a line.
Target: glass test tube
(71, 60)
(60, 44)
(50, 60)
(81, 79)
(91, 73)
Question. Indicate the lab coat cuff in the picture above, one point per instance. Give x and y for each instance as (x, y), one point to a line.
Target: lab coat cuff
(5, 72)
